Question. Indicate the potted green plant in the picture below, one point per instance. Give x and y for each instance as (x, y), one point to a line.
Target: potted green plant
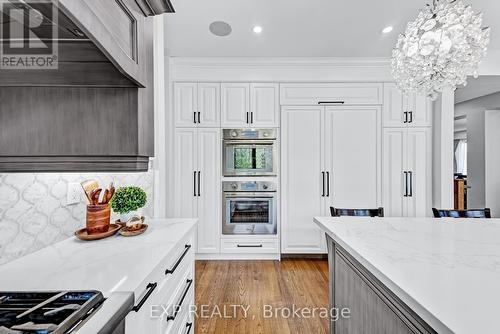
(127, 201)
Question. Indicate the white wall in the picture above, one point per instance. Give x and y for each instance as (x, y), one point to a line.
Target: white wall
(475, 112)
(492, 161)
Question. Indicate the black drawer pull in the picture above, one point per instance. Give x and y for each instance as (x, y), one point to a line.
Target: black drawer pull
(177, 307)
(189, 325)
(330, 102)
(179, 260)
(150, 287)
(249, 246)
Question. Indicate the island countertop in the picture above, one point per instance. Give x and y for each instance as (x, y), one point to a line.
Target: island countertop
(445, 270)
(113, 264)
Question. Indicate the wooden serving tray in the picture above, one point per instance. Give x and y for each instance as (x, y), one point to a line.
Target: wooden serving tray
(83, 235)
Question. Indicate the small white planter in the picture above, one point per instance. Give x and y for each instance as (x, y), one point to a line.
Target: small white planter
(125, 217)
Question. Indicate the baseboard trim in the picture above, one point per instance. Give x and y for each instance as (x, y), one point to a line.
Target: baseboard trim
(305, 256)
(227, 256)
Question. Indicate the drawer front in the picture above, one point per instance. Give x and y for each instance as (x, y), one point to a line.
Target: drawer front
(331, 94)
(183, 324)
(245, 246)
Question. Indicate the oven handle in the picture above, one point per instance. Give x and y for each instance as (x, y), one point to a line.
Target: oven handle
(248, 142)
(245, 196)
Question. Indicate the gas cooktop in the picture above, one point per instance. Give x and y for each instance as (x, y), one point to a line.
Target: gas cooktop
(46, 312)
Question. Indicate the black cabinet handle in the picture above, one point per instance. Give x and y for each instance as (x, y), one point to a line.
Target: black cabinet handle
(249, 246)
(406, 117)
(177, 306)
(189, 325)
(199, 117)
(410, 174)
(199, 187)
(194, 117)
(247, 116)
(406, 184)
(179, 260)
(194, 183)
(323, 182)
(330, 102)
(251, 117)
(327, 184)
(411, 117)
(150, 287)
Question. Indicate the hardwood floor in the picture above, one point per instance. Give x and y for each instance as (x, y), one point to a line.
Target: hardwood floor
(254, 284)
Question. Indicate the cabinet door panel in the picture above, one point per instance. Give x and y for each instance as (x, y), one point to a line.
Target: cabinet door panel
(418, 150)
(185, 156)
(393, 106)
(264, 104)
(421, 110)
(209, 104)
(209, 201)
(185, 104)
(393, 178)
(301, 179)
(235, 104)
(352, 150)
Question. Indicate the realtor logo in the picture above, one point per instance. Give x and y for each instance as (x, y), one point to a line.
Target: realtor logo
(28, 34)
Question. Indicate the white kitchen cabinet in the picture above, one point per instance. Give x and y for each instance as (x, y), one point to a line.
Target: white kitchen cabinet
(249, 105)
(329, 157)
(352, 152)
(331, 93)
(197, 157)
(264, 105)
(301, 179)
(235, 105)
(405, 111)
(407, 172)
(197, 104)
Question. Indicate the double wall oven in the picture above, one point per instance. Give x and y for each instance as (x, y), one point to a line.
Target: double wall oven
(249, 207)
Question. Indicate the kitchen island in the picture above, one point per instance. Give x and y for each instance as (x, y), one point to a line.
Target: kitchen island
(414, 275)
(153, 268)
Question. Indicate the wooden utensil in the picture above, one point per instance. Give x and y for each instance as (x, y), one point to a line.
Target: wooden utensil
(105, 197)
(94, 196)
(89, 186)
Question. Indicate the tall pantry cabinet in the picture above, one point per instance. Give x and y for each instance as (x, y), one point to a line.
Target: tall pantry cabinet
(197, 156)
(407, 153)
(330, 157)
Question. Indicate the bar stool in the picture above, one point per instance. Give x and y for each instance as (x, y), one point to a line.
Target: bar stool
(336, 212)
(473, 213)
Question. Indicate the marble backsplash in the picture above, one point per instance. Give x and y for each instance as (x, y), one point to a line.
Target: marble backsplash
(34, 213)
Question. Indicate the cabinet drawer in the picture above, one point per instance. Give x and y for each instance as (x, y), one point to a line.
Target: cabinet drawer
(245, 246)
(331, 93)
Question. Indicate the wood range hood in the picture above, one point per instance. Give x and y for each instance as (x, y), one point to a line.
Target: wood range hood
(94, 112)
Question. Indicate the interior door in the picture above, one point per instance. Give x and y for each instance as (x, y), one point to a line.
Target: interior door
(302, 187)
(393, 167)
(419, 144)
(209, 104)
(209, 199)
(185, 104)
(352, 151)
(235, 105)
(264, 104)
(185, 177)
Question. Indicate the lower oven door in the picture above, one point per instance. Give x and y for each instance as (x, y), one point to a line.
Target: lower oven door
(249, 213)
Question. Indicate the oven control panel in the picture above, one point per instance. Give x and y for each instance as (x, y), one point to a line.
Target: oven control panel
(248, 186)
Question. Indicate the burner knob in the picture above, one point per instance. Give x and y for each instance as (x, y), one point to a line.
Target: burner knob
(265, 186)
(234, 134)
(234, 186)
(265, 134)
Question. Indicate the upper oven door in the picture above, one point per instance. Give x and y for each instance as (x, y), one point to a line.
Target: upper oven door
(249, 158)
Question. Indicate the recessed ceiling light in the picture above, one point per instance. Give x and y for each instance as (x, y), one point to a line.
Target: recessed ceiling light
(387, 30)
(257, 29)
(220, 28)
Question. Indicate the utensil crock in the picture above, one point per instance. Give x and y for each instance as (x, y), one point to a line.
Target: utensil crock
(98, 218)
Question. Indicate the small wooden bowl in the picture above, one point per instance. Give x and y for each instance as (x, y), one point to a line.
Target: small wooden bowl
(129, 231)
(83, 234)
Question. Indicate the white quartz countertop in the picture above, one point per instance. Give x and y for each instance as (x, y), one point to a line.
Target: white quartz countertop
(446, 270)
(114, 264)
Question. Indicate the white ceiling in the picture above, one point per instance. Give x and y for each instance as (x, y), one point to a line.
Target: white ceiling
(484, 85)
(293, 28)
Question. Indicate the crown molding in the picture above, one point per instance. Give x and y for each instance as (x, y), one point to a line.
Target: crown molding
(279, 69)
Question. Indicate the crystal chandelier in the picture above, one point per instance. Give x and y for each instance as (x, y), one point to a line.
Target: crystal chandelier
(440, 48)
